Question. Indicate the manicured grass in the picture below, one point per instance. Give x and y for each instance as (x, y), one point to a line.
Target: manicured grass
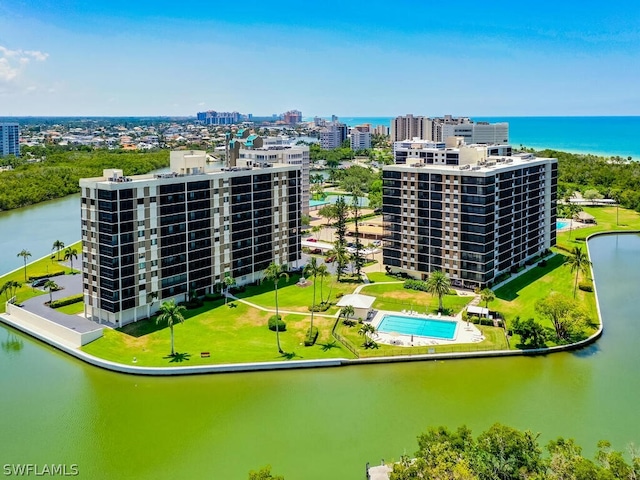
(231, 334)
(381, 277)
(518, 297)
(295, 298)
(43, 266)
(72, 309)
(494, 340)
(395, 297)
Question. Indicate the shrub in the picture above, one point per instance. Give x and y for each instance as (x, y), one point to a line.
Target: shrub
(282, 326)
(542, 263)
(321, 307)
(415, 285)
(67, 301)
(212, 297)
(46, 275)
(309, 341)
(581, 239)
(585, 287)
(349, 322)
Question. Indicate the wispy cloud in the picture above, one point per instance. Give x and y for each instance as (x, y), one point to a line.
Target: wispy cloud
(14, 62)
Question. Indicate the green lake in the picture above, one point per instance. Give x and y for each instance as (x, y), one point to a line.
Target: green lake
(324, 423)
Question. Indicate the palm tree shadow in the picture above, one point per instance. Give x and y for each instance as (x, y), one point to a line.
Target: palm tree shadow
(178, 357)
(289, 355)
(328, 346)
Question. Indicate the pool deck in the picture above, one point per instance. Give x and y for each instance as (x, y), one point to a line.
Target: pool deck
(465, 332)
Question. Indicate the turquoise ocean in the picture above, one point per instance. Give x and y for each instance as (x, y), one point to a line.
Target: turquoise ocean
(608, 136)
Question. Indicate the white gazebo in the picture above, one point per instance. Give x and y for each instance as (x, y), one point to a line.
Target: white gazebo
(480, 311)
(361, 304)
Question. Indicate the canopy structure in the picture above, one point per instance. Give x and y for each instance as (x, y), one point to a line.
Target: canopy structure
(585, 217)
(474, 310)
(360, 303)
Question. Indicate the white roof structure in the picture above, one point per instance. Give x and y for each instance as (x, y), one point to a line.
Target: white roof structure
(472, 309)
(356, 300)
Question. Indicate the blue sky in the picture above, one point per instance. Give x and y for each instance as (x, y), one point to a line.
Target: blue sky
(491, 58)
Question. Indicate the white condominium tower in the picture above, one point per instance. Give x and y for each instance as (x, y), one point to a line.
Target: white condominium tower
(151, 238)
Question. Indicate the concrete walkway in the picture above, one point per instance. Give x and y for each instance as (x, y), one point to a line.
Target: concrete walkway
(280, 312)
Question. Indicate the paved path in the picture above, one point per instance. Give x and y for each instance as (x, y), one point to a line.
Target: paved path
(288, 312)
(71, 285)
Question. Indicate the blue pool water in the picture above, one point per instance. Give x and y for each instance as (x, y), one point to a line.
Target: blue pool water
(317, 203)
(422, 327)
(560, 225)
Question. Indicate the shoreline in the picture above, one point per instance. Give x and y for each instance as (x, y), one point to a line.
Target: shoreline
(75, 352)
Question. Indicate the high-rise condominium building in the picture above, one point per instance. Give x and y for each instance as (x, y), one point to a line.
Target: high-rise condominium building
(9, 139)
(292, 117)
(333, 135)
(360, 140)
(247, 149)
(445, 153)
(211, 117)
(150, 238)
(441, 128)
(473, 220)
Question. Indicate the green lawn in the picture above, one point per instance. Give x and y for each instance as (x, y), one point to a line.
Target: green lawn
(44, 266)
(295, 298)
(519, 296)
(494, 340)
(395, 297)
(231, 334)
(381, 277)
(72, 309)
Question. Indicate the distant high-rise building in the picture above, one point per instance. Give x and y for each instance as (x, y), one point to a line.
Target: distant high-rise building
(360, 140)
(211, 117)
(440, 128)
(381, 130)
(9, 139)
(292, 117)
(333, 135)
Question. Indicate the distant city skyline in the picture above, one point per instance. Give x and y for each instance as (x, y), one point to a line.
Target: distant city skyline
(117, 58)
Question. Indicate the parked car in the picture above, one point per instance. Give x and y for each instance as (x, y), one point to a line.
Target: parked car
(312, 239)
(39, 283)
(315, 251)
(330, 259)
(377, 243)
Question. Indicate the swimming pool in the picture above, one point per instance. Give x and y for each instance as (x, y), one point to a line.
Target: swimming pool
(419, 326)
(560, 224)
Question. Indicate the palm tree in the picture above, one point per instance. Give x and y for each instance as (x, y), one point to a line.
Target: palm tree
(274, 273)
(342, 258)
(347, 311)
(228, 282)
(486, 296)
(438, 284)
(69, 254)
(323, 272)
(25, 254)
(171, 313)
(578, 262)
(58, 245)
(311, 270)
(573, 210)
(51, 286)
(10, 288)
(367, 330)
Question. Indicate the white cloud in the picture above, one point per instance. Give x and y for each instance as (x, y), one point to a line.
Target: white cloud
(14, 62)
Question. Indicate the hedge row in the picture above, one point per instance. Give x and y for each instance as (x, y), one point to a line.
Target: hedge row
(309, 341)
(67, 301)
(46, 275)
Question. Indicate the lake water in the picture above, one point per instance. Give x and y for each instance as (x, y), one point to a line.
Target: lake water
(308, 424)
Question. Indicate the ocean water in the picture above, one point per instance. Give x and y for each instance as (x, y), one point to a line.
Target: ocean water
(608, 136)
